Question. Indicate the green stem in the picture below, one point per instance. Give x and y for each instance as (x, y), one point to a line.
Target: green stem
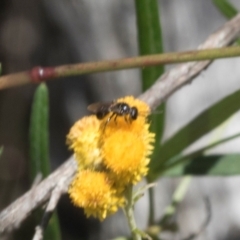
(39, 74)
(128, 210)
(151, 207)
(178, 196)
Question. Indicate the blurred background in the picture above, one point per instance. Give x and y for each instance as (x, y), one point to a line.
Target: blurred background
(56, 32)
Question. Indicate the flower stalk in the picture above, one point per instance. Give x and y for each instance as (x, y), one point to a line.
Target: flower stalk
(129, 213)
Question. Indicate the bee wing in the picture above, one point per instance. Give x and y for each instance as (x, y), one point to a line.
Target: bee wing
(99, 106)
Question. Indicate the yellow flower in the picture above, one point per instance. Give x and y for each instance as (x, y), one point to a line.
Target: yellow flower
(93, 191)
(83, 139)
(111, 155)
(126, 154)
(126, 146)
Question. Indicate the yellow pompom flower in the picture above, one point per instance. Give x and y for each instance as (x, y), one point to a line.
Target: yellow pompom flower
(126, 155)
(83, 139)
(126, 145)
(93, 191)
(112, 154)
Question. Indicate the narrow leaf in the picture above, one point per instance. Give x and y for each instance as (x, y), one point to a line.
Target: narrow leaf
(201, 125)
(197, 163)
(39, 150)
(217, 165)
(1, 150)
(227, 9)
(149, 37)
(150, 42)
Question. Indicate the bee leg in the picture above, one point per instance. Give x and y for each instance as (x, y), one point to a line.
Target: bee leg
(107, 121)
(126, 119)
(115, 118)
(129, 119)
(111, 116)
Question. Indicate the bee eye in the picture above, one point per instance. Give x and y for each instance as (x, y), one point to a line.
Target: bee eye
(125, 109)
(134, 113)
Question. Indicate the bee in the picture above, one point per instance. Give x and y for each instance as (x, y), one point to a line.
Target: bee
(115, 109)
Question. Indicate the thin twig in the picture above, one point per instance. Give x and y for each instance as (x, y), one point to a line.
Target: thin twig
(38, 233)
(52, 204)
(13, 215)
(178, 197)
(205, 222)
(40, 74)
(222, 38)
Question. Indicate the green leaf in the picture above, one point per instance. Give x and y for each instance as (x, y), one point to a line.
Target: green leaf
(39, 150)
(194, 163)
(53, 229)
(217, 165)
(1, 150)
(200, 152)
(226, 8)
(202, 124)
(150, 42)
(39, 139)
(149, 37)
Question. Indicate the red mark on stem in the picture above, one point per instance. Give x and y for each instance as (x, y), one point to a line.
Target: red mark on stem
(40, 74)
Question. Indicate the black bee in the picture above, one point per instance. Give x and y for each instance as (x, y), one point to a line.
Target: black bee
(116, 109)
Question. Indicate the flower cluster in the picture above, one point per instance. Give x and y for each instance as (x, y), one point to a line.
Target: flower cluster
(111, 154)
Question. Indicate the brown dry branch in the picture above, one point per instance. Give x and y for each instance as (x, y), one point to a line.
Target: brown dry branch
(38, 233)
(12, 216)
(56, 193)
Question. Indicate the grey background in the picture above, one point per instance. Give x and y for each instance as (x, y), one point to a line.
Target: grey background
(55, 32)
